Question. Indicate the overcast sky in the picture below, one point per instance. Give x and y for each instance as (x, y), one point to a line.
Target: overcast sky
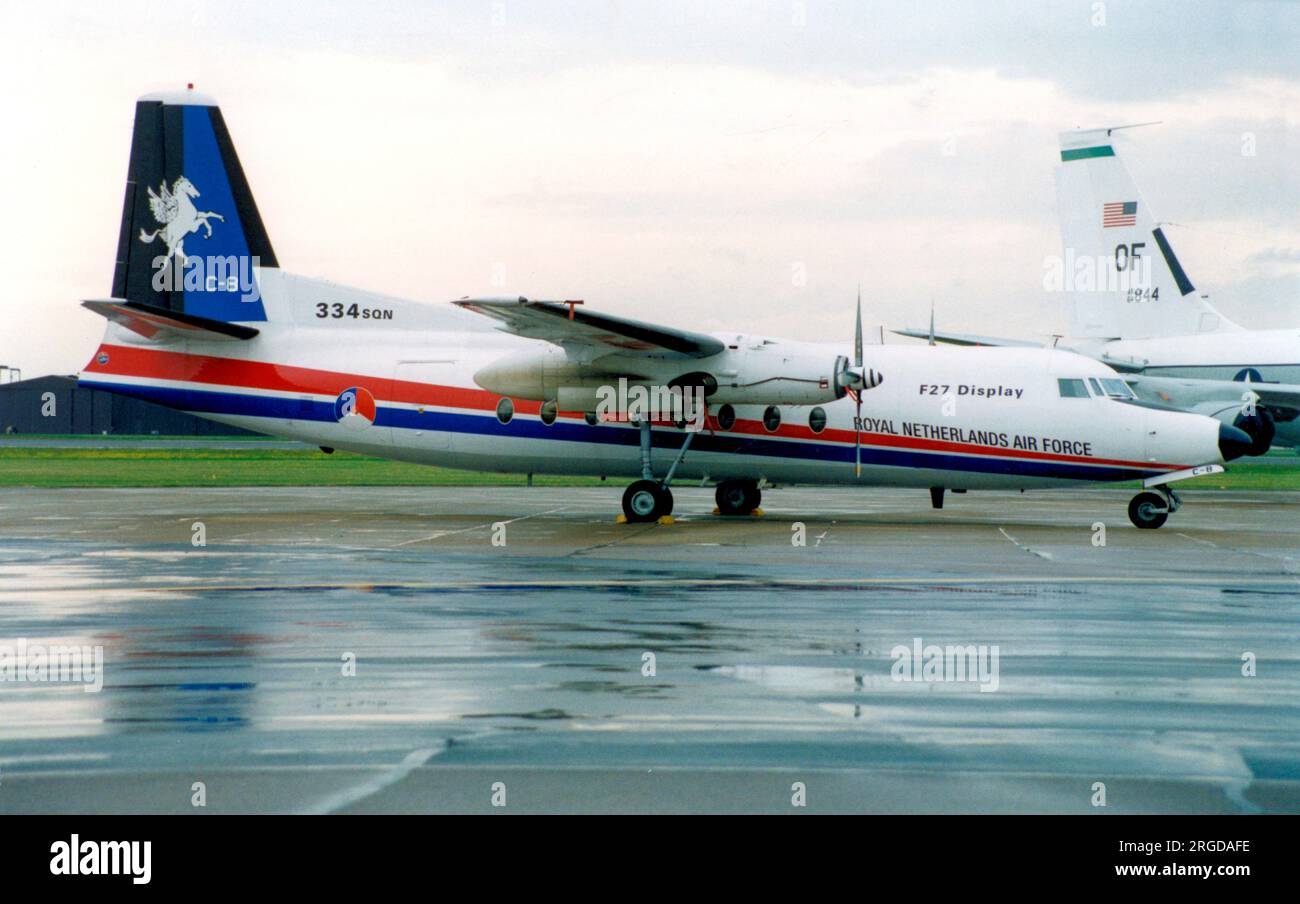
(678, 162)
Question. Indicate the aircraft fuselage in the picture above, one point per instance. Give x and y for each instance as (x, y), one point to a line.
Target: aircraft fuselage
(960, 418)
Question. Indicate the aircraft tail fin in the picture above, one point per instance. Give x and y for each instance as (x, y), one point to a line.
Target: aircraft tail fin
(191, 240)
(1120, 274)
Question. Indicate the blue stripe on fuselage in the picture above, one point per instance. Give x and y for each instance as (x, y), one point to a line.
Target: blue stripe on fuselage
(233, 403)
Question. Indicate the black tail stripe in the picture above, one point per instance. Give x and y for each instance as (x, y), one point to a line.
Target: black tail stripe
(124, 242)
(259, 244)
(131, 279)
(1184, 284)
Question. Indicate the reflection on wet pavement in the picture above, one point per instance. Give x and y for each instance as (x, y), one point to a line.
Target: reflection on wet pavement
(296, 671)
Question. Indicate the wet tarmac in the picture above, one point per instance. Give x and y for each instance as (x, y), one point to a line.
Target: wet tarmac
(445, 649)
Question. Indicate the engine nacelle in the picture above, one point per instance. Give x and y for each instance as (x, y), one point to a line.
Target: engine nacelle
(767, 372)
(539, 375)
(751, 371)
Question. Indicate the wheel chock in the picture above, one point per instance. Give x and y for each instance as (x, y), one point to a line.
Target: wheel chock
(621, 519)
(758, 513)
(666, 519)
(717, 511)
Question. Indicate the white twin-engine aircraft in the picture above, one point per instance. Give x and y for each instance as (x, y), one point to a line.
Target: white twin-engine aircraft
(202, 319)
(1132, 306)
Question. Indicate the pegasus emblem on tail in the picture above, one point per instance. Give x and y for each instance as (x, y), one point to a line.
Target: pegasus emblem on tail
(178, 216)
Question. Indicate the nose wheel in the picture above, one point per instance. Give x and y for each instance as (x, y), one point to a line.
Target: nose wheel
(1149, 511)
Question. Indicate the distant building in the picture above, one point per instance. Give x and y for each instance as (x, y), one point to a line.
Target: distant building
(58, 405)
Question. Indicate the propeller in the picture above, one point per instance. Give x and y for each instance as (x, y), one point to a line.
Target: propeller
(857, 396)
(857, 381)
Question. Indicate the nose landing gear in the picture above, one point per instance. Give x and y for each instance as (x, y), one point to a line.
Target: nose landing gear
(1149, 511)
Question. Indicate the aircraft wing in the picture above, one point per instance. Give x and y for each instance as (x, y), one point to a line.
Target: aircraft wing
(565, 324)
(1282, 399)
(968, 339)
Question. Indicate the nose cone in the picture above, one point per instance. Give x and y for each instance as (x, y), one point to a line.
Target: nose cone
(1233, 443)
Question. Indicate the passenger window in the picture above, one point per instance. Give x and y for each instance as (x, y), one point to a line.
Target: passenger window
(505, 410)
(726, 417)
(1073, 389)
(772, 418)
(817, 420)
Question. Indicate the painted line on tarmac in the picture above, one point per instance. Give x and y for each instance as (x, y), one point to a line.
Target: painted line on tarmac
(348, 796)
(465, 530)
(1023, 547)
(1288, 561)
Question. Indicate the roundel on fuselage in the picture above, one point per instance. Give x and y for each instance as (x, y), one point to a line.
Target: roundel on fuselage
(355, 408)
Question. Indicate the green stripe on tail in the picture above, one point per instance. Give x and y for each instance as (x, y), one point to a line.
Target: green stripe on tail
(1101, 150)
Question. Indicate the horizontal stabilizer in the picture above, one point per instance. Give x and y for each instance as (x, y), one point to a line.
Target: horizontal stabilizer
(159, 323)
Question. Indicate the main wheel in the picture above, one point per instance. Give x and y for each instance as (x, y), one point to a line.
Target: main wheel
(737, 497)
(1148, 511)
(646, 501)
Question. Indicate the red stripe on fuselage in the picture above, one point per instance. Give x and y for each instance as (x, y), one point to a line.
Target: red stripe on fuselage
(164, 365)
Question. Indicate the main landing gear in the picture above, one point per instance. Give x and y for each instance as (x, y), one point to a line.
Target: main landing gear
(646, 501)
(1150, 510)
(649, 500)
(738, 497)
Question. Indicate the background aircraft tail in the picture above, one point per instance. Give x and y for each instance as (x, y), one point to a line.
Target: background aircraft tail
(192, 241)
(1120, 274)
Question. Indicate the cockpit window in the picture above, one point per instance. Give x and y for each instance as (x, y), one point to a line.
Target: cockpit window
(1110, 389)
(1118, 389)
(1073, 389)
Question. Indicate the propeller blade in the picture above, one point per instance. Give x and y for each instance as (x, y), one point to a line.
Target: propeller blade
(857, 333)
(857, 437)
(861, 376)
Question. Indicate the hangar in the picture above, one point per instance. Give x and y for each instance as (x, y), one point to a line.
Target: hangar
(57, 405)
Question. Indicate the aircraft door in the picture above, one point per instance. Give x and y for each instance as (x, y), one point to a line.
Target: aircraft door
(420, 387)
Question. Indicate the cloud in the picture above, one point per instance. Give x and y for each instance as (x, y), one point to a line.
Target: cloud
(1287, 257)
(675, 162)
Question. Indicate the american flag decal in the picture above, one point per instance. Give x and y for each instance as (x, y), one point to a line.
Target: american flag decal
(1119, 213)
